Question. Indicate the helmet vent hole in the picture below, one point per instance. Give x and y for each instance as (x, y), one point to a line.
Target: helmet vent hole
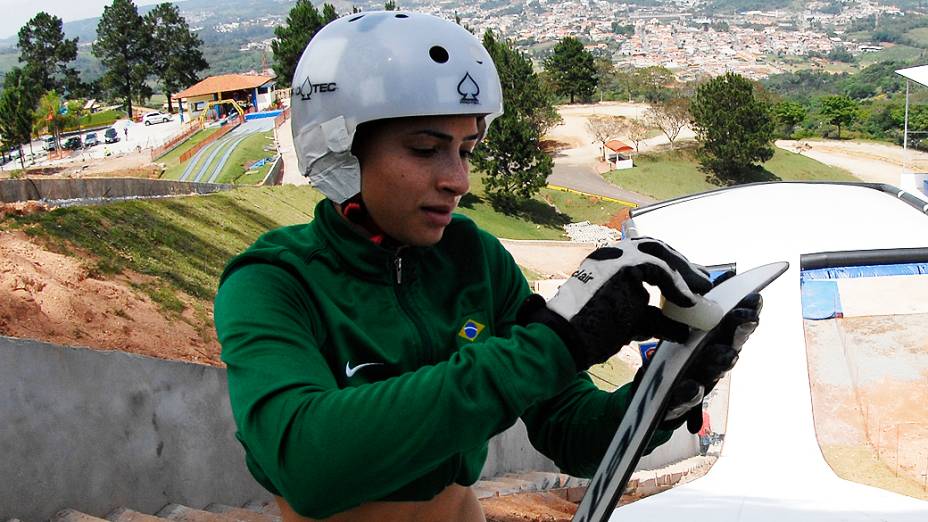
(480, 62)
(438, 54)
(355, 19)
(401, 15)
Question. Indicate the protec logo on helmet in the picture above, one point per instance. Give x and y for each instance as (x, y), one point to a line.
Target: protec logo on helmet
(307, 89)
(468, 89)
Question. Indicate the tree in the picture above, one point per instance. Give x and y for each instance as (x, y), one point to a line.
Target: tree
(303, 22)
(670, 117)
(17, 109)
(390, 5)
(637, 131)
(46, 52)
(839, 111)
(734, 128)
(604, 128)
(789, 114)
(176, 55)
(328, 14)
(124, 47)
(50, 115)
(510, 156)
(571, 69)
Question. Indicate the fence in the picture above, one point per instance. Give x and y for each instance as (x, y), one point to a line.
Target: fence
(276, 174)
(169, 145)
(199, 146)
(282, 117)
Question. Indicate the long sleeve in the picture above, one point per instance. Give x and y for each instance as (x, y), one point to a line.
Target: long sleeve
(326, 449)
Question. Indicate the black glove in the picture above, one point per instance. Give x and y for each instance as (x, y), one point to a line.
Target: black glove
(718, 357)
(603, 306)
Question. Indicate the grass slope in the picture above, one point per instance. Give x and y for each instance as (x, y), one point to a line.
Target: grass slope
(670, 174)
(537, 218)
(185, 242)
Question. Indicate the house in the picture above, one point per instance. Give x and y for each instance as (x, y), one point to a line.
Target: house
(619, 158)
(91, 106)
(252, 92)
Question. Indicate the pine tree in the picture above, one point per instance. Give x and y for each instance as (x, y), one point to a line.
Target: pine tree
(571, 69)
(124, 47)
(17, 110)
(46, 52)
(510, 156)
(176, 56)
(303, 22)
(733, 127)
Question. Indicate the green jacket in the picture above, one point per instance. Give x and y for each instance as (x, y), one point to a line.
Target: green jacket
(357, 373)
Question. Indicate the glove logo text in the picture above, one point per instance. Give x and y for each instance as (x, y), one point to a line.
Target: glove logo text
(308, 88)
(583, 276)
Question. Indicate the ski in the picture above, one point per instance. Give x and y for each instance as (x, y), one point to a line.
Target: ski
(649, 402)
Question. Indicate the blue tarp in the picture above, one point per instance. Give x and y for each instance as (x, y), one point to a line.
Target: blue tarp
(847, 272)
(820, 297)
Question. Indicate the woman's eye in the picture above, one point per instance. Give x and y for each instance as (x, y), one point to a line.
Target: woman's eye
(424, 152)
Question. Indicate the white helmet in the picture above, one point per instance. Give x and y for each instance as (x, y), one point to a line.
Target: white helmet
(377, 65)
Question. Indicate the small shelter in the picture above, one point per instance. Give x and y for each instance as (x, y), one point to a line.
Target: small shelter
(619, 158)
(251, 91)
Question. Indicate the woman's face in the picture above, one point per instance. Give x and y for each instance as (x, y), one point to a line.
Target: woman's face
(414, 172)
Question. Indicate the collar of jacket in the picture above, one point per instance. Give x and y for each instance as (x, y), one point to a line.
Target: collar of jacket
(356, 251)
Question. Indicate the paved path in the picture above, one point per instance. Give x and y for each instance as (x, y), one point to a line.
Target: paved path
(292, 175)
(585, 179)
(869, 161)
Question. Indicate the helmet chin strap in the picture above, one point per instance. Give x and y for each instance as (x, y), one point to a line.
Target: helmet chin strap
(356, 212)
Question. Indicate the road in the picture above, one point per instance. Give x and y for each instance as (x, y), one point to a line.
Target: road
(871, 162)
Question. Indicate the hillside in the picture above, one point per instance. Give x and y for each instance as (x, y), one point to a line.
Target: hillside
(140, 276)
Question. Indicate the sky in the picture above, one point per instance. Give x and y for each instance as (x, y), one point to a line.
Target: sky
(18, 12)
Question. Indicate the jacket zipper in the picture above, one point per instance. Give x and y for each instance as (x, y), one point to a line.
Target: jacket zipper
(417, 324)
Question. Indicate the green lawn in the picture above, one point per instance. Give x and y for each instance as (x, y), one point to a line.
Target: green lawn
(171, 160)
(671, 174)
(250, 150)
(537, 218)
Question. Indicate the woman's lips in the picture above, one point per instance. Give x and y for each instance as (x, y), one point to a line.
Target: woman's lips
(439, 215)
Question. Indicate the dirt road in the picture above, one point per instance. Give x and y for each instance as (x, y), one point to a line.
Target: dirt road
(869, 161)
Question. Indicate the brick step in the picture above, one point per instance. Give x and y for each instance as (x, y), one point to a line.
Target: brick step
(270, 508)
(73, 515)
(242, 514)
(179, 513)
(122, 514)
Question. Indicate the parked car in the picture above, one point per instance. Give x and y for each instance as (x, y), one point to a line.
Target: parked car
(110, 135)
(72, 143)
(49, 143)
(91, 139)
(155, 117)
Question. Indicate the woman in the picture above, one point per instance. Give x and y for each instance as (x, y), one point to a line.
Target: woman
(374, 351)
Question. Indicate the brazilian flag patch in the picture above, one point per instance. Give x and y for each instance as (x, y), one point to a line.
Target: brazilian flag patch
(470, 330)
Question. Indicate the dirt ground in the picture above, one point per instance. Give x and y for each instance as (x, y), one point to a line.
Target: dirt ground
(128, 165)
(869, 379)
(54, 298)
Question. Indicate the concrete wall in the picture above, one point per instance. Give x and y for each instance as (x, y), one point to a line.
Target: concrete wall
(94, 430)
(57, 190)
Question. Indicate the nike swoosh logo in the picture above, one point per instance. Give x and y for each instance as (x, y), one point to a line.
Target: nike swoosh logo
(349, 371)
